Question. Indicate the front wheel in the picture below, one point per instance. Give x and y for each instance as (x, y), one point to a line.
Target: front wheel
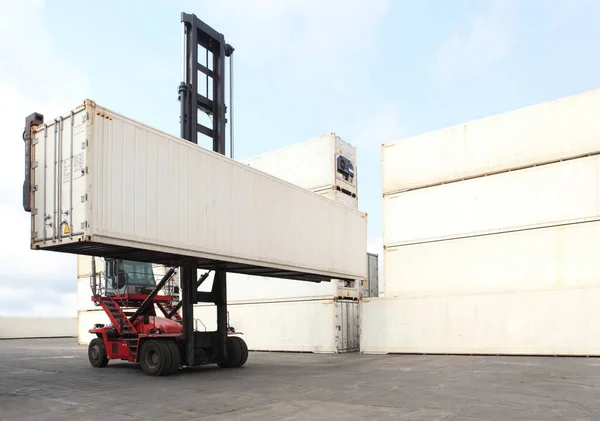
(155, 358)
(97, 353)
(234, 353)
(244, 348)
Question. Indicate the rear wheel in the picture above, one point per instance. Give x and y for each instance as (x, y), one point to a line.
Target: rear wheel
(175, 357)
(244, 347)
(155, 358)
(234, 354)
(97, 353)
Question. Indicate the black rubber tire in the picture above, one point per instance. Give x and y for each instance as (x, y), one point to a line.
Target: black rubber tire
(97, 353)
(234, 354)
(175, 357)
(155, 358)
(166, 370)
(244, 348)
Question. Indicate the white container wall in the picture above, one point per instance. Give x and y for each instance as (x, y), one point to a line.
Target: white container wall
(319, 326)
(37, 327)
(84, 266)
(546, 258)
(539, 196)
(555, 322)
(86, 321)
(313, 164)
(547, 132)
(133, 186)
(84, 295)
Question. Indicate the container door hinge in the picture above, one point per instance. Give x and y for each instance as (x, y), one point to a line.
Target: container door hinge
(84, 198)
(85, 118)
(34, 235)
(84, 225)
(84, 144)
(34, 188)
(34, 211)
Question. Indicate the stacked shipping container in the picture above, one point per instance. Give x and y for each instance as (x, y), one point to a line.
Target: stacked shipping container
(491, 236)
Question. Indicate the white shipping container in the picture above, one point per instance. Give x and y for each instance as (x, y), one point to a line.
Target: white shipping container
(103, 183)
(319, 326)
(538, 196)
(543, 133)
(314, 164)
(546, 258)
(86, 321)
(554, 322)
(84, 295)
(84, 266)
(37, 327)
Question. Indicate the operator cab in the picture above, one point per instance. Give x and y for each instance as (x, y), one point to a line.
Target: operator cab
(128, 277)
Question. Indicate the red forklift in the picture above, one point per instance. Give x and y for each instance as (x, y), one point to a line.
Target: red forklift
(128, 293)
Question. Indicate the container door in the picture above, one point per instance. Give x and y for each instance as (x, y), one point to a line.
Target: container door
(347, 324)
(58, 179)
(373, 275)
(341, 327)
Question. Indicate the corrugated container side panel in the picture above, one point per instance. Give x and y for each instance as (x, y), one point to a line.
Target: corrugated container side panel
(546, 258)
(561, 322)
(300, 326)
(237, 202)
(308, 164)
(540, 196)
(542, 133)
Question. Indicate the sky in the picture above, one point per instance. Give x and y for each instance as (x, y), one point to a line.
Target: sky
(371, 71)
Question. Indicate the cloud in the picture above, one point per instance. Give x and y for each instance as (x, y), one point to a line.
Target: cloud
(36, 76)
(485, 39)
(309, 42)
(19, 301)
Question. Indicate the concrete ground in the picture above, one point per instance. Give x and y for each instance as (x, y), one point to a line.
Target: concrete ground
(51, 379)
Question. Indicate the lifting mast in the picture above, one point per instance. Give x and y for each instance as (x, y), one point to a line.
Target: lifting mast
(199, 36)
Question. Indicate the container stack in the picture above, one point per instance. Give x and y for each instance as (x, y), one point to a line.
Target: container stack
(289, 315)
(492, 236)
